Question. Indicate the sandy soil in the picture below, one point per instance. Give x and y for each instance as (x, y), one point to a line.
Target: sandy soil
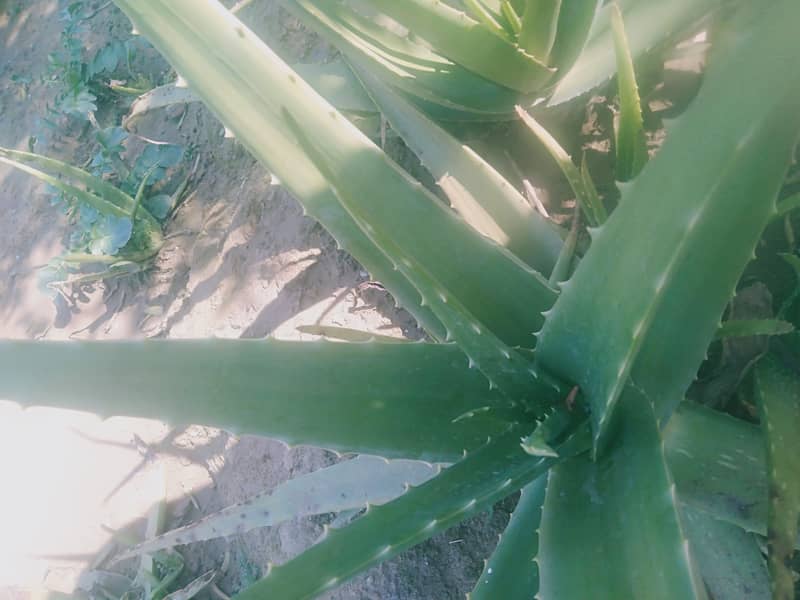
(241, 260)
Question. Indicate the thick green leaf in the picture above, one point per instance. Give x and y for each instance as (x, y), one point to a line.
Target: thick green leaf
(539, 28)
(468, 43)
(122, 201)
(352, 484)
(502, 365)
(749, 327)
(470, 486)
(512, 573)
(241, 86)
(485, 199)
(582, 186)
(611, 529)
(650, 24)
(779, 402)
(630, 137)
(575, 21)
(719, 465)
(729, 558)
(327, 394)
(672, 236)
(333, 80)
(443, 87)
(251, 89)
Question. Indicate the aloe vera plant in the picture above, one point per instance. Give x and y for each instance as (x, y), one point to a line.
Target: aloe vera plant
(572, 391)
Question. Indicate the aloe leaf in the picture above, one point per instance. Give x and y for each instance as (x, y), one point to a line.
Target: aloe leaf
(485, 199)
(779, 402)
(349, 335)
(479, 12)
(102, 206)
(644, 260)
(749, 327)
(468, 43)
(512, 573)
(512, 18)
(650, 24)
(618, 520)
(719, 465)
(100, 187)
(729, 558)
(563, 267)
(789, 204)
(470, 486)
(194, 587)
(630, 138)
(539, 27)
(445, 88)
(334, 81)
(250, 88)
(575, 21)
(584, 190)
(351, 484)
(503, 366)
(240, 90)
(327, 394)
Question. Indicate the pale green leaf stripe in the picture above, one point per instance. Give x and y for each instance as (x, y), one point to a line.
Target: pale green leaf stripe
(650, 24)
(326, 394)
(485, 199)
(630, 137)
(239, 87)
(749, 327)
(778, 392)
(468, 43)
(729, 558)
(470, 486)
(512, 572)
(618, 520)
(643, 261)
(250, 88)
(351, 484)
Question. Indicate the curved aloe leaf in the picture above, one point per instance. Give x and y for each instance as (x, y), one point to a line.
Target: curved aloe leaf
(779, 403)
(470, 486)
(575, 19)
(122, 201)
(334, 81)
(241, 88)
(512, 572)
(326, 394)
(611, 529)
(749, 327)
(442, 86)
(503, 366)
(468, 43)
(485, 199)
(650, 24)
(729, 559)
(539, 27)
(630, 138)
(251, 89)
(351, 484)
(104, 207)
(719, 465)
(580, 182)
(644, 260)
